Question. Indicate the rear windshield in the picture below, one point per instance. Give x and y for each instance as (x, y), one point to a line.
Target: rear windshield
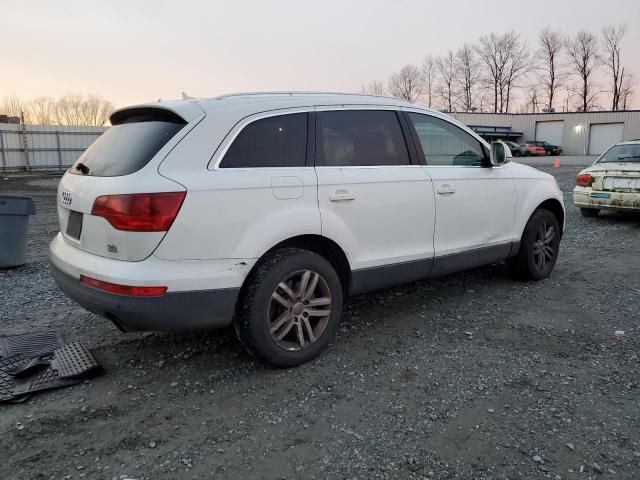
(125, 148)
(621, 154)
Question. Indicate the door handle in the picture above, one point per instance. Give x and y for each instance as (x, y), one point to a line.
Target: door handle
(342, 196)
(446, 190)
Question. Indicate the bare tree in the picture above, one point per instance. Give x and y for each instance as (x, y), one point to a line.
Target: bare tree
(42, 110)
(612, 36)
(490, 52)
(375, 87)
(429, 78)
(447, 71)
(626, 90)
(533, 102)
(467, 76)
(407, 83)
(14, 106)
(95, 111)
(506, 59)
(69, 109)
(518, 63)
(74, 109)
(584, 59)
(548, 55)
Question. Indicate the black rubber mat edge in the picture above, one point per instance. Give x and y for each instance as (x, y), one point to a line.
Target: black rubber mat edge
(72, 360)
(31, 345)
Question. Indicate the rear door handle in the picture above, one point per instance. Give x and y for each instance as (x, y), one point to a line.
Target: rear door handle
(446, 190)
(342, 196)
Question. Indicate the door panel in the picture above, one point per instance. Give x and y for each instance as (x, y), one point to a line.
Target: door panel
(479, 211)
(386, 215)
(372, 200)
(475, 203)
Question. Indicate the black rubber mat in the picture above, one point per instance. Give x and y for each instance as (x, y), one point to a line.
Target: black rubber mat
(7, 386)
(40, 361)
(43, 380)
(31, 345)
(72, 360)
(7, 383)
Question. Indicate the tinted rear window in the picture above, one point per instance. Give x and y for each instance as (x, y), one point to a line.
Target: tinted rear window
(360, 138)
(622, 154)
(126, 148)
(279, 141)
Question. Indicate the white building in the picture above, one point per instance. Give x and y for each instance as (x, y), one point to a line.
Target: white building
(578, 133)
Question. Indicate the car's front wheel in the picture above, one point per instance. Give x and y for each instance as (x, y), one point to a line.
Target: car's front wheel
(290, 307)
(539, 247)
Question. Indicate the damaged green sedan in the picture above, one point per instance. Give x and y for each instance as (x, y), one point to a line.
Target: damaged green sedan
(612, 182)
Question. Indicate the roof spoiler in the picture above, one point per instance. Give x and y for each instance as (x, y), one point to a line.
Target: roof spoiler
(177, 112)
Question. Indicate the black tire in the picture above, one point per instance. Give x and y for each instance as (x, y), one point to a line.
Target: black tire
(589, 212)
(528, 264)
(516, 153)
(255, 318)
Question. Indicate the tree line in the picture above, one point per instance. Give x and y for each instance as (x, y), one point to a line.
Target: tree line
(583, 72)
(72, 109)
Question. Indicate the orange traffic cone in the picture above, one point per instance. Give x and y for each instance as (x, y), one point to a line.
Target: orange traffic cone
(556, 163)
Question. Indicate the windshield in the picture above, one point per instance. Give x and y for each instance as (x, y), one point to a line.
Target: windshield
(621, 154)
(124, 149)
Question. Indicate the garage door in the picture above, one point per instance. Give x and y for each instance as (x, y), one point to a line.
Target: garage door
(603, 135)
(550, 132)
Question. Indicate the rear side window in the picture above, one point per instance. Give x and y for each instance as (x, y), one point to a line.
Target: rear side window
(279, 141)
(126, 148)
(360, 138)
(446, 144)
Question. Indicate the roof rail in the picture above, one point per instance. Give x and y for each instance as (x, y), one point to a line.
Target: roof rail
(293, 94)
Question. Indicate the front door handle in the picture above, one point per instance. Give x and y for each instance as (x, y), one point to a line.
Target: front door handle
(342, 196)
(446, 190)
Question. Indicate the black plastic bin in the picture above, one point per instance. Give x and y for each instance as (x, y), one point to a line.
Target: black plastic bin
(14, 221)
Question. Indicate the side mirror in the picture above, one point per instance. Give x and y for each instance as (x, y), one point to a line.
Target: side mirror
(500, 154)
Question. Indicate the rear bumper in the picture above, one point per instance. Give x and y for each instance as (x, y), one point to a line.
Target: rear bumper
(172, 311)
(201, 293)
(620, 201)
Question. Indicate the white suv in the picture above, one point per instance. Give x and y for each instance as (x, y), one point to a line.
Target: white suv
(267, 209)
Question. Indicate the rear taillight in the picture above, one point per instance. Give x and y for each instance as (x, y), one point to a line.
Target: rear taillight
(123, 289)
(139, 212)
(584, 180)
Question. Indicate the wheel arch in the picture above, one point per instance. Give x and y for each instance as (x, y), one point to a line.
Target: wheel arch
(555, 207)
(323, 246)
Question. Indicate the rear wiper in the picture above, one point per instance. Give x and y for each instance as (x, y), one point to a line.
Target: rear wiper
(82, 168)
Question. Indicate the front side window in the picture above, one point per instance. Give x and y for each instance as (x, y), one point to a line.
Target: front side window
(445, 144)
(348, 138)
(279, 141)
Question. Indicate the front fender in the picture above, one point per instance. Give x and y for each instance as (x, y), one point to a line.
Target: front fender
(533, 188)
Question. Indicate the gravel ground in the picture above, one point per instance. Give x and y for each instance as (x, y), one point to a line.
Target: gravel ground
(469, 376)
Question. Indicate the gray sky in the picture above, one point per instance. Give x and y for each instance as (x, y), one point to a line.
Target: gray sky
(135, 51)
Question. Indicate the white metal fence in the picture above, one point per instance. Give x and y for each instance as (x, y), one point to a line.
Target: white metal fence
(43, 147)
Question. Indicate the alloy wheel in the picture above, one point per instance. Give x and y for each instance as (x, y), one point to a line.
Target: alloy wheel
(299, 310)
(544, 250)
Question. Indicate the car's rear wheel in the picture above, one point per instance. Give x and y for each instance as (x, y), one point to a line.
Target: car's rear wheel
(539, 247)
(290, 307)
(516, 153)
(589, 212)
